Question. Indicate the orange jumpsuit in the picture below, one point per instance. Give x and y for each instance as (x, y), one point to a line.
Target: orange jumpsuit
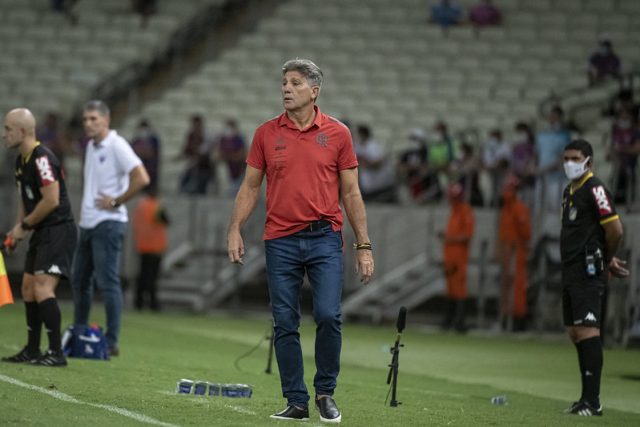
(456, 254)
(150, 233)
(513, 240)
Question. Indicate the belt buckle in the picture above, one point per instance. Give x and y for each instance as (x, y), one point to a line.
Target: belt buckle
(316, 225)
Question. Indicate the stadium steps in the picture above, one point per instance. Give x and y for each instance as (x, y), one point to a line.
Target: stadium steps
(197, 291)
(381, 299)
(414, 283)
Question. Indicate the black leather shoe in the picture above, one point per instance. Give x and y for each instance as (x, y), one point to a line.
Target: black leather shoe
(329, 412)
(24, 356)
(292, 413)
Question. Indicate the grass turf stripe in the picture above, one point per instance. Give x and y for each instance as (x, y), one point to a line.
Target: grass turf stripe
(70, 399)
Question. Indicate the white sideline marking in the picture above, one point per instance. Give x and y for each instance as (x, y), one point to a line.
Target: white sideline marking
(70, 399)
(238, 409)
(241, 410)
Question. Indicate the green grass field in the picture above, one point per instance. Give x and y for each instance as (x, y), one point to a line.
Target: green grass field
(445, 380)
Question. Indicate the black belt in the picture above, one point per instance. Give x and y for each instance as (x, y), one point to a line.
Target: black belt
(316, 225)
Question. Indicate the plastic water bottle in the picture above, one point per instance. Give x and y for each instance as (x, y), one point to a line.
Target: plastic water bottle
(236, 390)
(204, 388)
(184, 386)
(499, 400)
(200, 388)
(215, 389)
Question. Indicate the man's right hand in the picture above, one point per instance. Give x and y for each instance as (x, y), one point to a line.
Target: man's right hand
(235, 246)
(17, 233)
(617, 267)
(8, 245)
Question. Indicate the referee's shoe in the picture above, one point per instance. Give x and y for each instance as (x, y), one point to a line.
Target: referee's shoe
(23, 356)
(584, 409)
(51, 358)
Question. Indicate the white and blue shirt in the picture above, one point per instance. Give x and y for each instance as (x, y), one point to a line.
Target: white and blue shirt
(107, 166)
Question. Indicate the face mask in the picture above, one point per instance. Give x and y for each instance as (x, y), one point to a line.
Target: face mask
(144, 133)
(557, 126)
(575, 170)
(521, 137)
(624, 124)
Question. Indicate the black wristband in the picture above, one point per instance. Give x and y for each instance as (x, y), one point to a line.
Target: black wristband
(26, 226)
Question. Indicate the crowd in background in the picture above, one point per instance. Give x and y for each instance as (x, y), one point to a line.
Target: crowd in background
(418, 170)
(414, 169)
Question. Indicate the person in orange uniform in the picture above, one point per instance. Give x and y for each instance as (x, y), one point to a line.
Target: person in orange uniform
(456, 240)
(514, 234)
(150, 223)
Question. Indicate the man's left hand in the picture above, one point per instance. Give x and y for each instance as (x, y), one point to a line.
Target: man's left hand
(617, 267)
(364, 265)
(104, 202)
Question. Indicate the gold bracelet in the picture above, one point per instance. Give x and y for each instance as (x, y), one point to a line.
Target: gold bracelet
(363, 246)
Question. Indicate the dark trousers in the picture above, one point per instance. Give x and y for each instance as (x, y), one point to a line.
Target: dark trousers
(319, 255)
(147, 278)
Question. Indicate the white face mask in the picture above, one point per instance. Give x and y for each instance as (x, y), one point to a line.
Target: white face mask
(521, 137)
(575, 170)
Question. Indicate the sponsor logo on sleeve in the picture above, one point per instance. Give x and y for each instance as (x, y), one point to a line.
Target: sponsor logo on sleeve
(604, 206)
(44, 168)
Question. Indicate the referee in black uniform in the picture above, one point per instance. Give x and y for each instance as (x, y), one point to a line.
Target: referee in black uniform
(591, 232)
(45, 210)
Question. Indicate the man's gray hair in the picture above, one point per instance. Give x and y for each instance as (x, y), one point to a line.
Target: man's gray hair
(307, 68)
(97, 105)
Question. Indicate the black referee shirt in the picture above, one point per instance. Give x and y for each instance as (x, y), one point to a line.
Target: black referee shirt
(584, 211)
(39, 169)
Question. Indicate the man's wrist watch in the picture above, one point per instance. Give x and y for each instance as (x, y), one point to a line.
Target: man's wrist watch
(25, 226)
(114, 204)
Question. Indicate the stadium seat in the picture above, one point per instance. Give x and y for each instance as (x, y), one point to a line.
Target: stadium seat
(598, 6)
(569, 5)
(380, 57)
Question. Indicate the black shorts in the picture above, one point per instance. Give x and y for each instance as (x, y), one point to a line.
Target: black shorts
(581, 296)
(51, 250)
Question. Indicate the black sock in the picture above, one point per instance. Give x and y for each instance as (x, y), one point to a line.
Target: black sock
(581, 367)
(34, 326)
(50, 314)
(591, 351)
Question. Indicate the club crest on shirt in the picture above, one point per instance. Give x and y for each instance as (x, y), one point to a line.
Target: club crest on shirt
(280, 145)
(28, 192)
(322, 140)
(573, 213)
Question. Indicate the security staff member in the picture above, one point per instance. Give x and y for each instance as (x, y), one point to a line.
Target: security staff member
(44, 208)
(591, 232)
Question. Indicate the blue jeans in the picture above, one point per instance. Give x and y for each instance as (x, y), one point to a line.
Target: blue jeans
(98, 257)
(319, 253)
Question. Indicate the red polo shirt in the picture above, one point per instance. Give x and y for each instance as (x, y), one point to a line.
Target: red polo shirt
(302, 169)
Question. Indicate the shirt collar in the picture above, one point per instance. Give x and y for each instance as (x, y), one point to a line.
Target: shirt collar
(26, 159)
(105, 141)
(581, 183)
(284, 120)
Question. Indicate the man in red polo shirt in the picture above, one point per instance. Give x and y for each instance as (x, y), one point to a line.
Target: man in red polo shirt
(310, 165)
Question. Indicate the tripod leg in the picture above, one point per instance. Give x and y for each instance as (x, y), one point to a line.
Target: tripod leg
(270, 357)
(394, 381)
